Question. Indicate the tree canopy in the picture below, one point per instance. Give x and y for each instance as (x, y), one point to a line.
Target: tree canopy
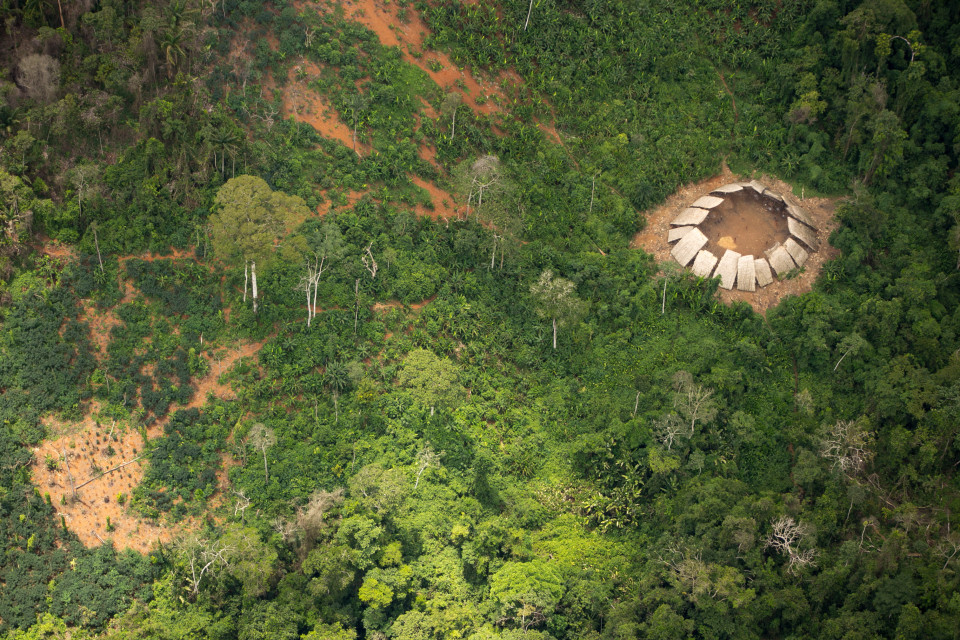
(249, 218)
(415, 461)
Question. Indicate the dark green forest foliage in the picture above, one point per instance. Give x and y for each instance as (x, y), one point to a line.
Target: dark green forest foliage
(440, 471)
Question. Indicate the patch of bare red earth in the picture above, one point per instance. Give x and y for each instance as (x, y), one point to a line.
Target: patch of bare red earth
(408, 35)
(653, 238)
(307, 106)
(85, 447)
(381, 307)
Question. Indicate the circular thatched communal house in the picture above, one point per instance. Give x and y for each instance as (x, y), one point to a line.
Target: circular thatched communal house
(757, 234)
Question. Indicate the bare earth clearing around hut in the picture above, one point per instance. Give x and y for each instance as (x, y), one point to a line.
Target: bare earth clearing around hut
(742, 224)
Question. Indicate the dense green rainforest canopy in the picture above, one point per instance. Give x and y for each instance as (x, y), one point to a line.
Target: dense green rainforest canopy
(419, 461)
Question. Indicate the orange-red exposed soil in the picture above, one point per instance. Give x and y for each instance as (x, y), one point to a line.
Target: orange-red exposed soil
(481, 94)
(352, 197)
(409, 35)
(78, 450)
(172, 254)
(653, 238)
(54, 249)
(396, 304)
(428, 110)
(443, 202)
(81, 448)
(101, 322)
(428, 154)
(307, 106)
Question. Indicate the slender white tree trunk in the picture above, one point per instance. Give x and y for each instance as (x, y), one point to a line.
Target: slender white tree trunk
(309, 310)
(253, 282)
(318, 271)
(246, 277)
(593, 190)
(529, 11)
(554, 334)
(493, 255)
(97, 241)
(453, 126)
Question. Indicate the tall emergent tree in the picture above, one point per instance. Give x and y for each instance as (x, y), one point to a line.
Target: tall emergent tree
(432, 380)
(556, 298)
(248, 219)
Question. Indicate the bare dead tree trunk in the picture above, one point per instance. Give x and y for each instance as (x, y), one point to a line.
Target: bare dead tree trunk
(66, 465)
(369, 262)
(306, 287)
(97, 242)
(119, 466)
(316, 285)
(593, 191)
(253, 282)
(845, 354)
(246, 276)
(554, 334)
(529, 11)
(356, 305)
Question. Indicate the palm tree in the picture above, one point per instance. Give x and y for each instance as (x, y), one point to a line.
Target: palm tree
(171, 43)
(173, 40)
(34, 12)
(223, 139)
(336, 380)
